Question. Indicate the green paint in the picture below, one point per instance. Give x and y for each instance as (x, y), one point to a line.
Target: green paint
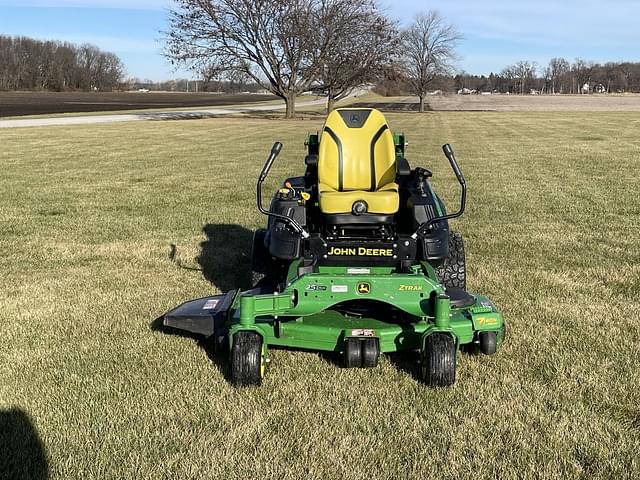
(302, 316)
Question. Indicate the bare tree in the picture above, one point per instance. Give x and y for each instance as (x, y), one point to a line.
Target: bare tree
(582, 70)
(281, 44)
(360, 48)
(429, 50)
(556, 69)
(520, 75)
(525, 72)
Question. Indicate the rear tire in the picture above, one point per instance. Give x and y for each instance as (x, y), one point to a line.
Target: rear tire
(439, 360)
(488, 342)
(452, 273)
(247, 360)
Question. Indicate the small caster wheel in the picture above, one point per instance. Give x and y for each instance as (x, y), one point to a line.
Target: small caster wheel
(352, 353)
(488, 342)
(370, 352)
(439, 360)
(247, 359)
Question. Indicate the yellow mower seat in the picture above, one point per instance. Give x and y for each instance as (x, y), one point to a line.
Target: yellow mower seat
(357, 162)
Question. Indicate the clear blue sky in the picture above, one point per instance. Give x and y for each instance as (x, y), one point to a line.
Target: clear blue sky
(496, 32)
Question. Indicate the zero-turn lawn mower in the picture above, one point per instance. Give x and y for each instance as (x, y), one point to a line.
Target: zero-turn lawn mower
(357, 259)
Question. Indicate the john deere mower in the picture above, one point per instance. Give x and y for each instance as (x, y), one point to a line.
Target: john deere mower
(357, 259)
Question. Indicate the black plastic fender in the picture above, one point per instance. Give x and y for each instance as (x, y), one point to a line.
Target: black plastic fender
(202, 316)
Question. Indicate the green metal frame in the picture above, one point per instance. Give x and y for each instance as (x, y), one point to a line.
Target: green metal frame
(300, 316)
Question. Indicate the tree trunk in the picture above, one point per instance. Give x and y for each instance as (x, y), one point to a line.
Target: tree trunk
(421, 103)
(331, 103)
(331, 100)
(290, 102)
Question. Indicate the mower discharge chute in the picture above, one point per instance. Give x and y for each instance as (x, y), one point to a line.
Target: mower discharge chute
(357, 259)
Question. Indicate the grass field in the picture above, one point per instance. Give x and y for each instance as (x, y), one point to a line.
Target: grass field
(89, 390)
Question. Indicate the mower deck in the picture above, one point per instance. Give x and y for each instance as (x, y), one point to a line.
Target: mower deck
(320, 311)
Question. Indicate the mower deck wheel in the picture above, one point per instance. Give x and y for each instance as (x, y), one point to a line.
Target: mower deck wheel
(352, 353)
(439, 360)
(247, 359)
(370, 352)
(488, 342)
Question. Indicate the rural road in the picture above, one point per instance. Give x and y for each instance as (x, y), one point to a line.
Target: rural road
(141, 116)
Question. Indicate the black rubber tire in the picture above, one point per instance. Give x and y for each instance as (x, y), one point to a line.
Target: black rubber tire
(488, 342)
(439, 360)
(452, 273)
(370, 352)
(246, 359)
(352, 355)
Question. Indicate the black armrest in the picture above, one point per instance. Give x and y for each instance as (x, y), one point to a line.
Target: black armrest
(402, 167)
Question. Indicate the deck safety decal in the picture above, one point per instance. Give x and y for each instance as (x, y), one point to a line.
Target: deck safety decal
(210, 304)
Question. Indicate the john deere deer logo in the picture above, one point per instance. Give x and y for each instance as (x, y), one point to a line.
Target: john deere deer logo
(363, 288)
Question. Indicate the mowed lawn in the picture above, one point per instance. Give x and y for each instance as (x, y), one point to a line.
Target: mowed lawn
(88, 217)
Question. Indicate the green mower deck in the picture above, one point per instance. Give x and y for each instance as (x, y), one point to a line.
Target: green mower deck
(302, 316)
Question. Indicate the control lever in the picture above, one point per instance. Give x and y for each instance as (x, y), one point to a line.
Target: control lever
(448, 151)
(275, 151)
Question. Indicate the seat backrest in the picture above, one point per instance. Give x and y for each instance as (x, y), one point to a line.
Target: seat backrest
(356, 150)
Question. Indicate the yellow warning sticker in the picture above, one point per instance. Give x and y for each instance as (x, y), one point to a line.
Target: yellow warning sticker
(486, 321)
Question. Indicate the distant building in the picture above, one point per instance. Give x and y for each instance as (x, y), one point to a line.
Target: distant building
(594, 88)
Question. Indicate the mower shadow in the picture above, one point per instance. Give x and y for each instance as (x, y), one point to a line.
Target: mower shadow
(407, 362)
(225, 256)
(22, 454)
(224, 261)
(218, 359)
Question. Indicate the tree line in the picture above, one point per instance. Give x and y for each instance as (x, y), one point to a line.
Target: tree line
(559, 77)
(29, 64)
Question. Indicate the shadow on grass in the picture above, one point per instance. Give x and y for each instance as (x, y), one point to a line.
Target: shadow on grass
(393, 106)
(159, 116)
(225, 256)
(218, 355)
(275, 115)
(407, 362)
(224, 261)
(22, 454)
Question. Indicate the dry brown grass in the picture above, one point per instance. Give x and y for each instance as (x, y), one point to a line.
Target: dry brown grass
(87, 215)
